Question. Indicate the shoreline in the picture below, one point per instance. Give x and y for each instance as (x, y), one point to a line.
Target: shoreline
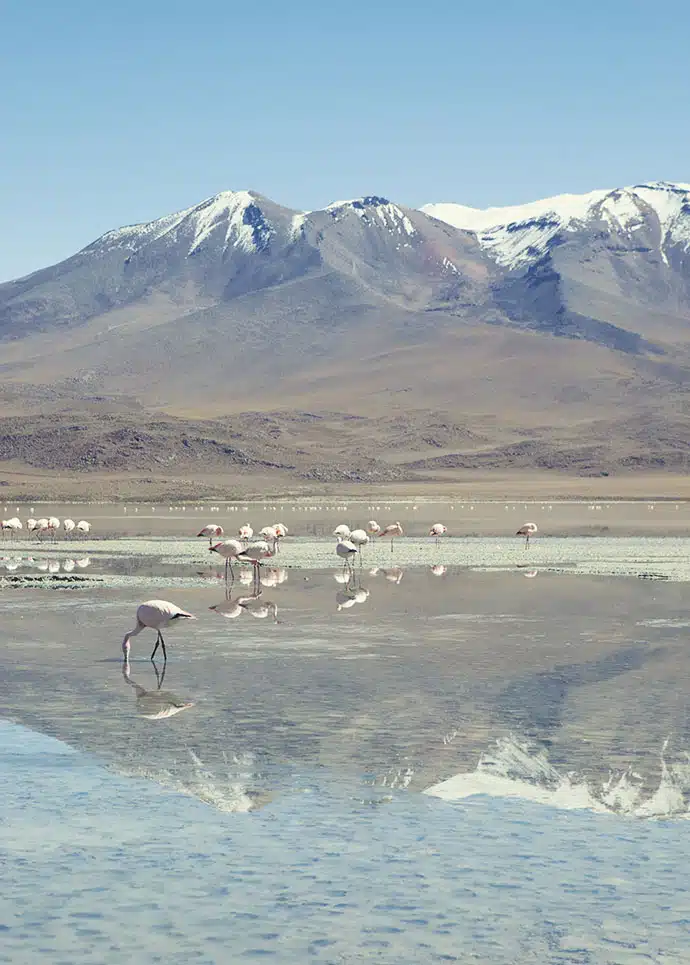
(23, 485)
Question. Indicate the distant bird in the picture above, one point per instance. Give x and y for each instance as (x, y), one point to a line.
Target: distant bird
(11, 526)
(270, 534)
(254, 553)
(229, 549)
(156, 614)
(281, 529)
(68, 525)
(83, 526)
(438, 569)
(212, 530)
(342, 531)
(360, 539)
(245, 532)
(373, 527)
(68, 565)
(346, 550)
(53, 526)
(438, 530)
(392, 530)
(41, 526)
(31, 524)
(83, 562)
(529, 529)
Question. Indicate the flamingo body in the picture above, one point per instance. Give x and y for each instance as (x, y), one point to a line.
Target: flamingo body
(155, 614)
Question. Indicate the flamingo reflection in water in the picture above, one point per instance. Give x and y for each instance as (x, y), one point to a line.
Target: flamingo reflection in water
(155, 704)
(257, 607)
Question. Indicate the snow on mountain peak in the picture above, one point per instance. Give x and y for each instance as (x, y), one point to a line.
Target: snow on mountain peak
(388, 214)
(518, 234)
(235, 215)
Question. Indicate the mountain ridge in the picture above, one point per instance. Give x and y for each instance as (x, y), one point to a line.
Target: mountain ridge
(370, 310)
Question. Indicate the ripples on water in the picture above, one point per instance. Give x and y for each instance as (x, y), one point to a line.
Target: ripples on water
(525, 697)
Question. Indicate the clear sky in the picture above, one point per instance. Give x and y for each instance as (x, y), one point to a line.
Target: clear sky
(118, 112)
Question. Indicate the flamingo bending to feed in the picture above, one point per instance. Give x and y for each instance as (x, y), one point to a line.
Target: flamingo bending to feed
(230, 549)
(156, 614)
(342, 531)
(392, 530)
(245, 532)
(212, 530)
(529, 529)
(438, 530)
(373, 527)
(53, 526)
(68, 525)
(83, 526)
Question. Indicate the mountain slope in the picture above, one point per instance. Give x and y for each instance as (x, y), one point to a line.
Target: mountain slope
(340, 320)
(583, 263)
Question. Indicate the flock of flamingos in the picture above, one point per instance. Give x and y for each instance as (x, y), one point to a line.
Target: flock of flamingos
(159, 614)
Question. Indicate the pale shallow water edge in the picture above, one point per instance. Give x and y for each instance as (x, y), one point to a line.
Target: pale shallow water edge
(645, 557)
(132, 873)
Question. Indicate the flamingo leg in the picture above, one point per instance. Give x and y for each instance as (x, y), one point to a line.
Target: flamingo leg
(391, 546)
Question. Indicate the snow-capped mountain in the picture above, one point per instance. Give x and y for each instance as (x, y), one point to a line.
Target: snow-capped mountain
(518, 235)
(369, 303)
(238, 243)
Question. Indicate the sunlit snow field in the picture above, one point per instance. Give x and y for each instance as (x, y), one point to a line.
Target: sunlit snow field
(472, 751)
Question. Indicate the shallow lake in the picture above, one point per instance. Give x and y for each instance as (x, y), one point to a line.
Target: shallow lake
(458, 752)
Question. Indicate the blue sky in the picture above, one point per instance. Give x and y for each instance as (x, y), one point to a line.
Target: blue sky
(113, 113)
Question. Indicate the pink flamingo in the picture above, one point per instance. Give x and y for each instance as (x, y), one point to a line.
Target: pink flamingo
(529, 529)
(156, 614)
(392, 530)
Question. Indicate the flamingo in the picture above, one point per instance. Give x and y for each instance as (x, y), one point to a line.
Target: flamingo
(438, 530)
(53, 526)
(12, 525)
(41, 526)
(373, 527)
(155, 614)
(529, 529)
(346, 551)
(230, 549)
(83, 526)
(68, 525)
(245, 532)
(270, 534)
(392, 530)
(342, 532)
(438, 569)
(211, 530)
(254, 553)
(360, 539)
(281, 531)
(30, 524)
